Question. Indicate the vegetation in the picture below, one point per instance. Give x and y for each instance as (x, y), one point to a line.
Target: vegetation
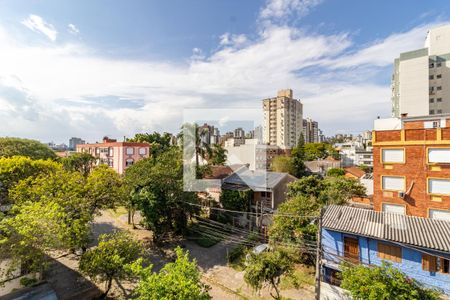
(110, 260)
(81, 162)
(235, 200)
(299, 277)
(335, 172)
(283, 164)
(159, 143)
(298, 158)
(177, 280)
(383, 282)
(156, 187)
(314, 151)
(267, 268)
(218, 155)
(23, 147)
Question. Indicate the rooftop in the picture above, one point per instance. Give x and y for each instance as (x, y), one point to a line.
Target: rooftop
(414, 231)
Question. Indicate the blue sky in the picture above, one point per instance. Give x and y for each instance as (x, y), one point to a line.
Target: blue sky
(90, 68)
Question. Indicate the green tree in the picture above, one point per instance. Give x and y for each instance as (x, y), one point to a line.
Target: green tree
(159, 195)
(193, 144)
(295, 234)
(218, 155)
(298, 157)
(176, 280)
(104, 189)
(283, 164)
(17, 168)
(81, 162)
(235, 200)
(159, 143)
(335, 172)
(314, 151)
(266, 269)
(110, 260)
(383, 282)
(23, 147)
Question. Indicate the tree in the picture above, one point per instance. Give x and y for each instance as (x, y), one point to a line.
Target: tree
(298, 157)
(335, 172)
(17, 168)
(383, 282)
(314, 151)
(176, 280)
(218, 155)
(159, 143)
(81, 162)
(104, 189)
(23, 147)
(193, 144)
(235, 200)
(283, 164)
(295, 234)
(267, 268)
(160, 196)
(110, 259)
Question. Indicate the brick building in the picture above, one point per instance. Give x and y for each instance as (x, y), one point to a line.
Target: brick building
(118, 155)
(412, 166)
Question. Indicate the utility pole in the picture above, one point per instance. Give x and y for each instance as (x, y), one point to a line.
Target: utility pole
(318, 255)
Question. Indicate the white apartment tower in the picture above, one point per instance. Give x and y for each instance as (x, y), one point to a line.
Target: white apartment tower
(282, 123)
(310, 131)
(421, 78)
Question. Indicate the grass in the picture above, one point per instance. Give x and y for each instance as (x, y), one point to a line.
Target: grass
(301, 276)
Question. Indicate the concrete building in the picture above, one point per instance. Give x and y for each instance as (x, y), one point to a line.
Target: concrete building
(283, 117)
(354, 154)
(310, 131)
(421, 78)
(239, 133)
(252, 153)
(74, 141)
(118, 155)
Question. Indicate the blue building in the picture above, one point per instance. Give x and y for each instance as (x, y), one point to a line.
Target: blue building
(419, 247)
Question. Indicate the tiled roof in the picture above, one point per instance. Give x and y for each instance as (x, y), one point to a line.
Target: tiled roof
(355, 171)
(415, 231)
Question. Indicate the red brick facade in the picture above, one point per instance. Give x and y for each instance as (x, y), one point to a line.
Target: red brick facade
(415, 140)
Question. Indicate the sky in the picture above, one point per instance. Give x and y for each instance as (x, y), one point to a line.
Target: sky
(92, 68)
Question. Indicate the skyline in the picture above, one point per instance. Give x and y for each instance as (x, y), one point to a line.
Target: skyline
(89, 70)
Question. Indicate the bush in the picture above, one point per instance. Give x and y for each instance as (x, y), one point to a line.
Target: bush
(335, 172)
(26, 281)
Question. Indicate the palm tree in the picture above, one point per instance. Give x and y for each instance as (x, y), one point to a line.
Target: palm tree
(191, 136)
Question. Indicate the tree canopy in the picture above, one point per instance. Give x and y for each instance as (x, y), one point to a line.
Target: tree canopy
(314, 151)
(111, 259)
(81, 162)
(159, 143)
(23, 147)
(283, 164)
(298, 158)
(176, 280)
(383, 282)
(267, 268)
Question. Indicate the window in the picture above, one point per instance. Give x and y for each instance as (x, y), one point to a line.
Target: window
(431, 77)
(439, 186)
(142, 151)
(431, 100)
(393, 183)
(439, 88)
(439, 155)
(129, 162)
(432, 65)
(130, 151)
(439, 76)
(439, 100)
(394, 208)
(111, 163)
(431, 111)
(438, 64)
(393, 155)
(444, 266)
(439, 111)
(351, 248)
(390, 252)
(429, 263)
(437, 214)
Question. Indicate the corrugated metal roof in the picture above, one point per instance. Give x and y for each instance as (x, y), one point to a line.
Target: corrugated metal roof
(415, 231)
(258, 180)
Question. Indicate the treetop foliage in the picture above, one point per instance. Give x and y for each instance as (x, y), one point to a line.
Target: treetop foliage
(10, 146)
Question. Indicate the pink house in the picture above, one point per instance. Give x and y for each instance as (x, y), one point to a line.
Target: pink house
(118, 155)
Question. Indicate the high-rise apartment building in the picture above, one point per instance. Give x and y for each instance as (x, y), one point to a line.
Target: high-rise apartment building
(421, 78)
(73, 142)
(282, 123)
(310, 131)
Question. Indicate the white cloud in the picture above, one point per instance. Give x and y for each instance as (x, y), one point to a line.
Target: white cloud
(61, 83)
(278, 9)
(37, 24)
(235, 40)
(73, 29)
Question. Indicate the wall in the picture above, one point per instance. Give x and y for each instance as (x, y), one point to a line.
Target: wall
(411, 264)
(281, 189)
